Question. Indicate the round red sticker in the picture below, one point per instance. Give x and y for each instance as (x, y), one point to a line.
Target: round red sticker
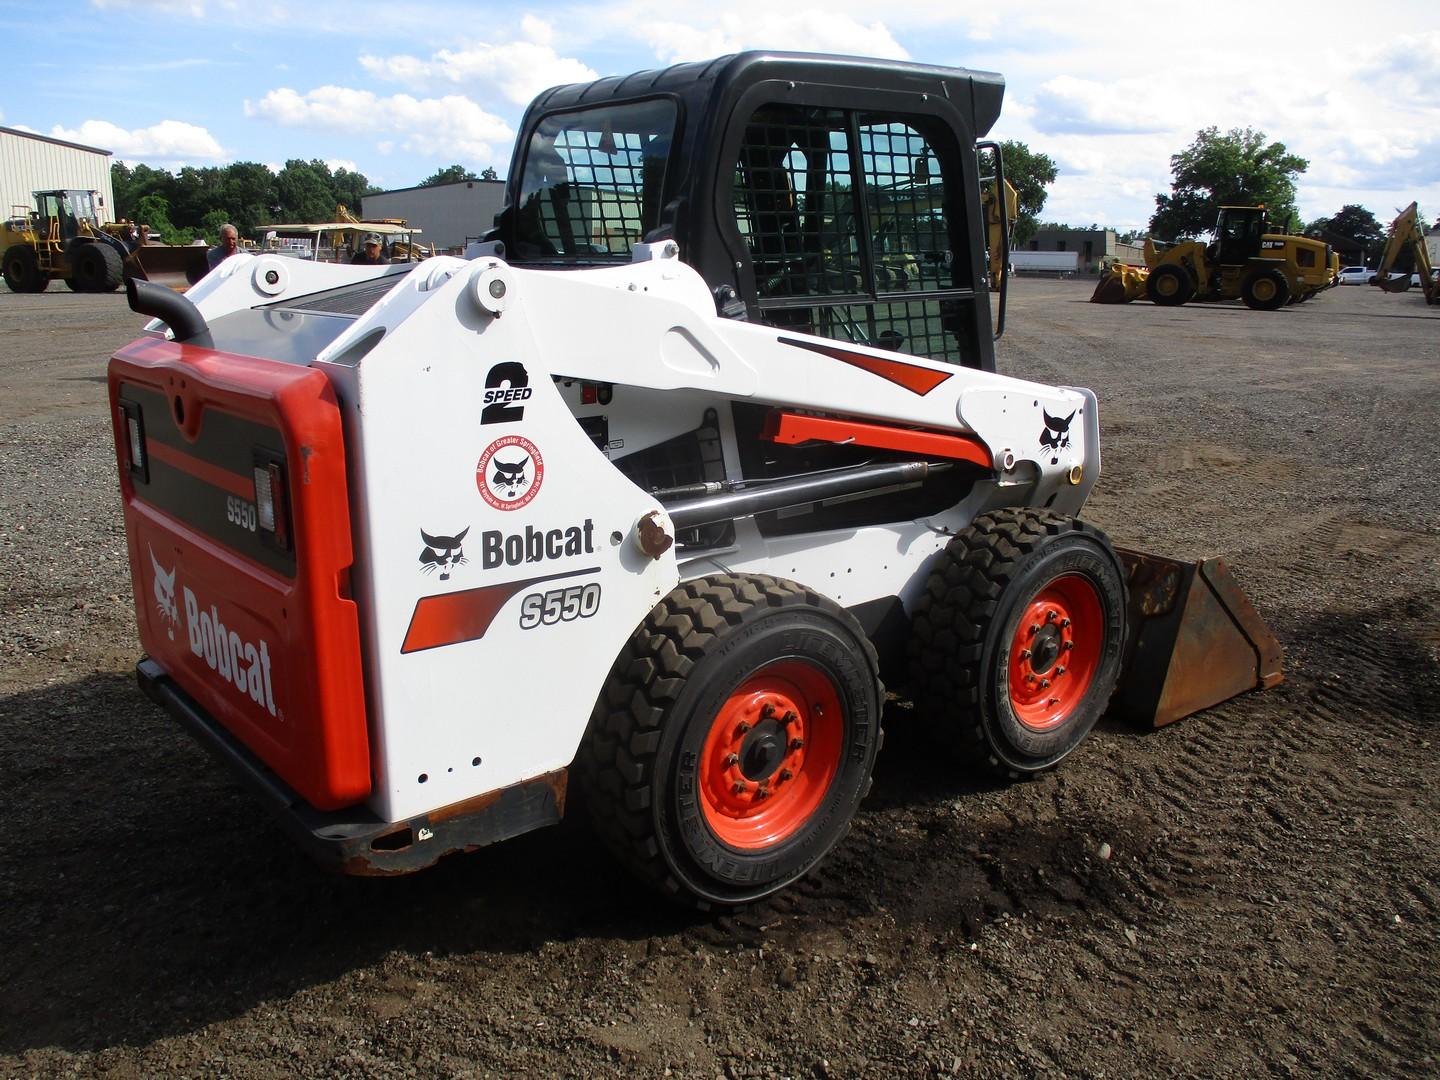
(510, 472)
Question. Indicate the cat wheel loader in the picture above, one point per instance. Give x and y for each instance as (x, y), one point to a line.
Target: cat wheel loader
(1244, 262)
(652, 493)
(1404, 245)
(65, 238)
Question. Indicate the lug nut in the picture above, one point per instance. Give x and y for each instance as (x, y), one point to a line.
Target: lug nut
(739, 787)
(1053, 701)
(1065, 622)
(1044, 684)
(1034, 629)
(762, 792)
(732, 759)
(786, 774)
(789, 717)
(796, 744)
(744, 726)
(767, 711)
(1024, 654)
(1068, 646)
(1051, 616)
(1060, 671)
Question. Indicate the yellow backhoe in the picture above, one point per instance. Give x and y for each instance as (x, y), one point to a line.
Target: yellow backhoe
(1406, 234)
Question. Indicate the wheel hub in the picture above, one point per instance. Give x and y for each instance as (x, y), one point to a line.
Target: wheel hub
(772, 751)
(1055, 652)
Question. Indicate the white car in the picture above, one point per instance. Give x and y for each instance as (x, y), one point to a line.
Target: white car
(1354, 275)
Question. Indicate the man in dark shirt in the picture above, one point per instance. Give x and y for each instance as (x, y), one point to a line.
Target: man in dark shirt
(229, 245)
(370, 255)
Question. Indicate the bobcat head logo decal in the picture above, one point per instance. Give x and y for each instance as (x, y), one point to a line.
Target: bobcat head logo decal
(510, 472)
(509, 478)
(442, 553)
(164, 588)
(1056, 435)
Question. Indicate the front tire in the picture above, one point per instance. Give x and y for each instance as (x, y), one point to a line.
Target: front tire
(97, 268)
(1017, 639)
(1169, 286)
(734, 739)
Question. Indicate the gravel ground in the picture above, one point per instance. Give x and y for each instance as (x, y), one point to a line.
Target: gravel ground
(1252, 892)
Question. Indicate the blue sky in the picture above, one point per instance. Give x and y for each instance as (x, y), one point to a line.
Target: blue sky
(396, 90)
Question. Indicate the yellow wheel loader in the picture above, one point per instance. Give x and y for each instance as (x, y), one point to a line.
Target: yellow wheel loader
(64, 238)
(1407, 234)
(1244, 262)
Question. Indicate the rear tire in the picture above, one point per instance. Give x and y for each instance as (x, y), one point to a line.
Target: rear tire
(1017, 639)
(96, 268)
(733, 740)
(1169, 286)
(1265, 290)
(22, 270)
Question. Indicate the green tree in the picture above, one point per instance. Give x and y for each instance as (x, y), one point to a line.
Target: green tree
(1352, 222)
(489, 173)
(1239, 168)
(305, 191)
(451, 174)
(1030, 173)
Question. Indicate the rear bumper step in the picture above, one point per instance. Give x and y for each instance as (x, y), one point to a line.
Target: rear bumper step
(354, 840)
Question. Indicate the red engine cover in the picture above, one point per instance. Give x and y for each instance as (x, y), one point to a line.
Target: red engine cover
(262, 634)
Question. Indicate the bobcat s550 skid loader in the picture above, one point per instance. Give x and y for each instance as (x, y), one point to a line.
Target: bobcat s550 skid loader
(650, 492)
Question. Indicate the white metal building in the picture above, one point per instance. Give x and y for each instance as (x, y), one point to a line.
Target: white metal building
(31, 163)
(446, 213)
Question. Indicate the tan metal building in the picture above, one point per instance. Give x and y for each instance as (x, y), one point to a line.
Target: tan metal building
(448, 214)
(31, 163)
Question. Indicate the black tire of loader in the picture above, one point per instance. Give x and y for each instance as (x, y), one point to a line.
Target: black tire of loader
(97, 267)
(22, 270)
(966, 620)
(1270, 284)
(641, 755)
(1155, 285)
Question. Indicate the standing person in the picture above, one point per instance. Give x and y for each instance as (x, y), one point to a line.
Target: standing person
(370, 254)
(229, 245)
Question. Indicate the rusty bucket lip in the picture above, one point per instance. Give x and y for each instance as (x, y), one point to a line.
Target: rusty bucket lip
(355, 840)
(1195, 640)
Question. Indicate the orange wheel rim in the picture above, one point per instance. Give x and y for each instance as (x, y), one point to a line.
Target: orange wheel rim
(1055, 652)
(771, 755)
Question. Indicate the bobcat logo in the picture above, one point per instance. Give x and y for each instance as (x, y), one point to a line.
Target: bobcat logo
(509, 479)
(164, 588)
(1056, 435)
(442, 553)
(510, 473)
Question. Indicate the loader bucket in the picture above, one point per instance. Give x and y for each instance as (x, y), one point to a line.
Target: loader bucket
(174, 266)
(1195, 640)
(1120, 284)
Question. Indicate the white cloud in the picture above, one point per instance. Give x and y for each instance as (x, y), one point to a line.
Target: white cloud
(696, 37)
(168, 142)
(445, 127)
(1069, 104)
(516, 70)
(193, 8)
(336, 164)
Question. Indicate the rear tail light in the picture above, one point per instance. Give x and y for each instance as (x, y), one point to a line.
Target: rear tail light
(271, 510)
(134, 428)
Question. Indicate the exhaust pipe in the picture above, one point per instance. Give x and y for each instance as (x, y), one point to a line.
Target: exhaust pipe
(175, 311)
(689, 513)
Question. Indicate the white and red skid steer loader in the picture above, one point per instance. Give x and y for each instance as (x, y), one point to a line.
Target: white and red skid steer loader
(708, 436)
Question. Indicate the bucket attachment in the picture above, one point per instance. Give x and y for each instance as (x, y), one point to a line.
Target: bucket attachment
(1195, 640)
(173, 265)
(1120, 284)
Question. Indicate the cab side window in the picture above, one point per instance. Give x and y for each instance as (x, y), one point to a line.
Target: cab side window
(852, 221)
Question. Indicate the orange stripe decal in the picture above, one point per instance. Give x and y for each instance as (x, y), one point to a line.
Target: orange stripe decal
(224, 479)
(918, 380)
